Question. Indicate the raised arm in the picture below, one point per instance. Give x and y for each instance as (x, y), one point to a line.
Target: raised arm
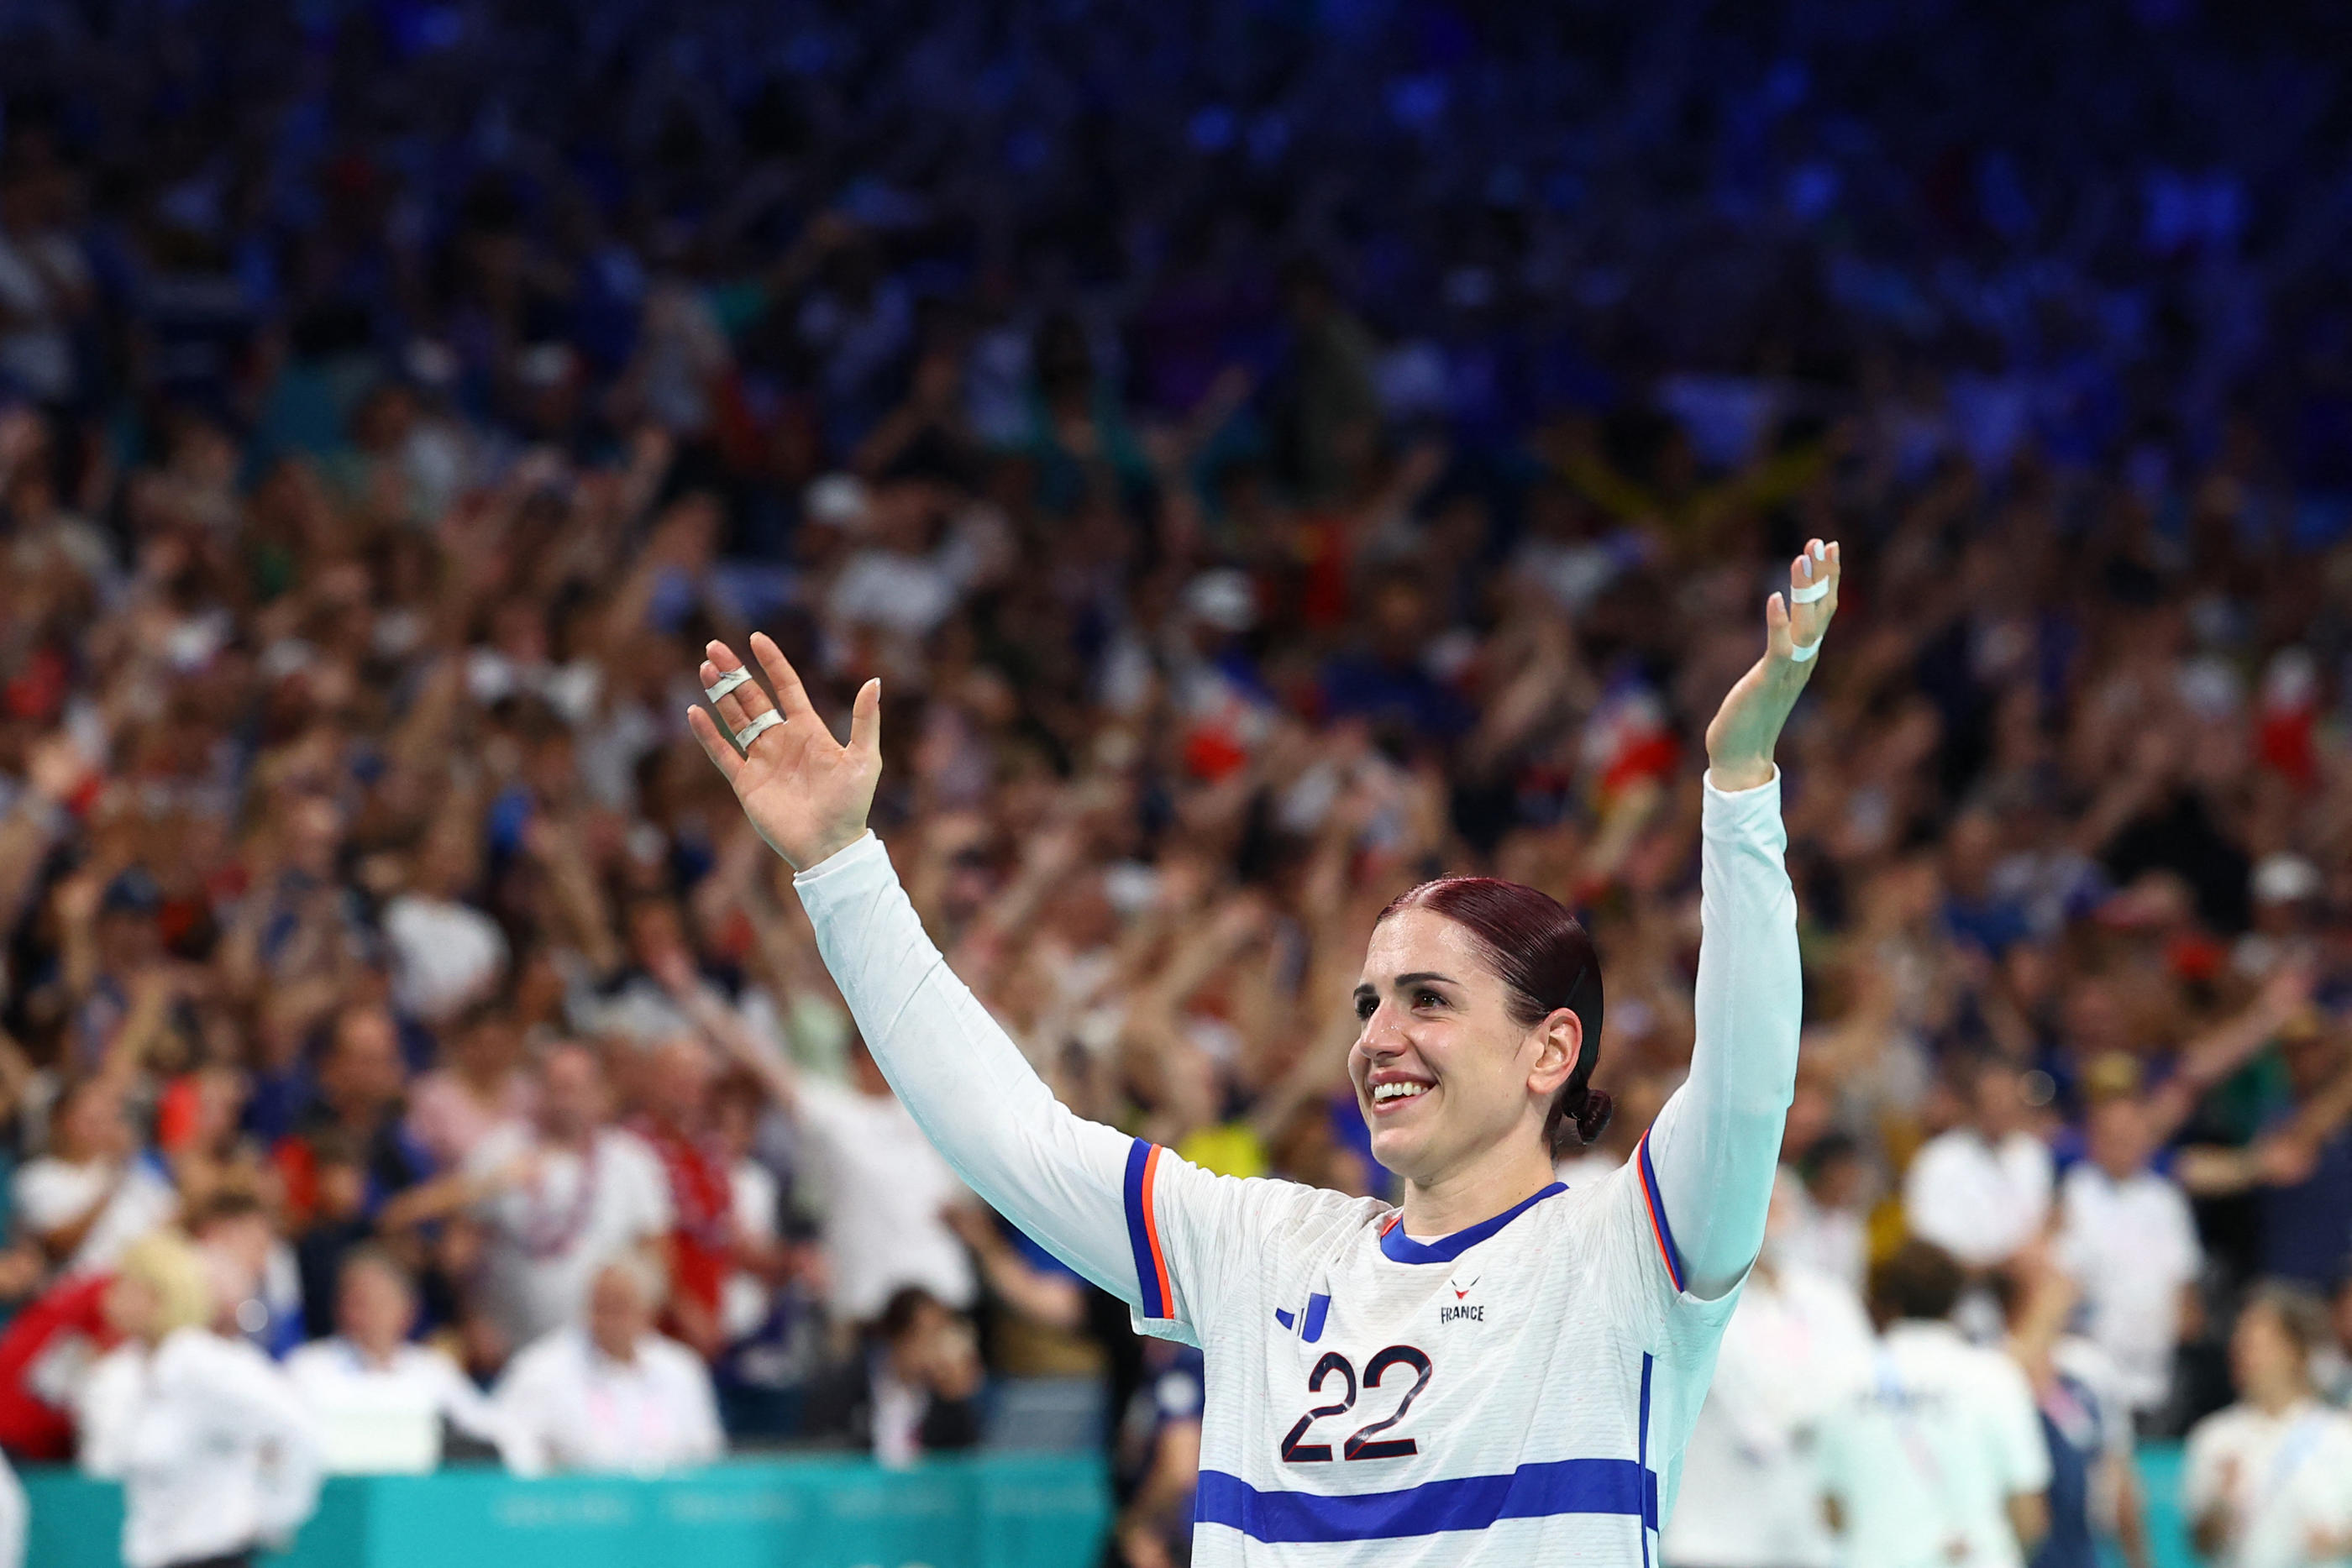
(1716, 1146)
(1083, 1190)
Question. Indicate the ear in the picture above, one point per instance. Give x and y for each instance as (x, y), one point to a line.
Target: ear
(1559, 1040)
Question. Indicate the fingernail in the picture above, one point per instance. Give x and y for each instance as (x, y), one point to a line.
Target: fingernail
(1805, 565)
(1820, 551)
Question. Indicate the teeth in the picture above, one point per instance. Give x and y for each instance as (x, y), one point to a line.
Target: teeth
(1396, 1091)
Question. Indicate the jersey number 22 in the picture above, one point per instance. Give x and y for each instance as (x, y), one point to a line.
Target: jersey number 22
(1365, 1442)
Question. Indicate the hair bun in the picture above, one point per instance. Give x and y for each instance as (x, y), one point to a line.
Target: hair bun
(1593, 1116)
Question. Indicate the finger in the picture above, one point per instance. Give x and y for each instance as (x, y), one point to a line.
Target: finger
(1775, 625)
(715, 746)
(746, 702)
(865, 720)
(782, 677)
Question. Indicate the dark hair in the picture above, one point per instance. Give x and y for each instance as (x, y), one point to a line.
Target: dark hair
(1546, 962)
(902, 1312)
(1916, 1281)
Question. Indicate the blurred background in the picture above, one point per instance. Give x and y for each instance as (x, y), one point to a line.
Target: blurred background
(1274, 450)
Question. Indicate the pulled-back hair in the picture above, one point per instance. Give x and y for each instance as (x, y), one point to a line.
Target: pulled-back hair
(1917, 1281)
(1546, 962)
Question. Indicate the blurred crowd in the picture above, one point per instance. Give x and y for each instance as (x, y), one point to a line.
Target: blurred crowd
(1272, 453)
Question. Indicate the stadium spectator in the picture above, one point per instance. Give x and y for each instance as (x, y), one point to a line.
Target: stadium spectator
(46, 1355)
(218, 1455)
(914, 1391)
(2298, 1165)
(379, 1402)
(480, 1086)
(608, 1393)
(2126, 1236)
(2094, 1494)
(1981, 1190)
(558, 1198)
(1797, 1345)
(96, 1191)
(1939, 1457)
(2268, 1482)
(1159, 1458)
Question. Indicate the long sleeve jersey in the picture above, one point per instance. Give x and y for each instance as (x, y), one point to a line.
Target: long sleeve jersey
(1517, 1392)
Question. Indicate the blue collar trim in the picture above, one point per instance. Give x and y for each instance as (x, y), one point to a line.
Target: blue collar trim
(1398, 1247)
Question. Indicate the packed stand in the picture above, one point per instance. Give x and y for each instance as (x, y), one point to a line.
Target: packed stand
(1269, 462)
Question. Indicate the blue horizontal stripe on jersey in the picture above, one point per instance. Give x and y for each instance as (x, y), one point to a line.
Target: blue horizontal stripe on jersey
(1468, 1503)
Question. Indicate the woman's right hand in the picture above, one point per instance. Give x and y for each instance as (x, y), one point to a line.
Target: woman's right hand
(805, 793)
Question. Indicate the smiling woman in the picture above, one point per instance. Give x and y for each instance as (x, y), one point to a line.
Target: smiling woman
(1495, 1370)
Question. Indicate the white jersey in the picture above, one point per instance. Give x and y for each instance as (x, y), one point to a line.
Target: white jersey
(2275, 1481)
(1531, 1379)
(1517, 1391)
(1798, 1346)
(1924, 1459)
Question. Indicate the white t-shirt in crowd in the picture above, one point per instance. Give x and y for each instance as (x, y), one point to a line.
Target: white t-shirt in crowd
(566, 1406)
(1797, 1345)
(551, 1234)
(49, 1193)
(444, 954)
(885, 1189)
(387, 1419)
(1978, 1201)
(2131, 1246)
(1827, 1241)
(1924, 1459)
(743, 1299)
(216, 1451)
(2280, 1479)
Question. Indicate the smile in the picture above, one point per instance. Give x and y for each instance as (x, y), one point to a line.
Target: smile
(1396, 1092)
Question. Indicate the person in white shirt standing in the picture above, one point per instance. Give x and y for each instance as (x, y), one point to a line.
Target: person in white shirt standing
(611, 1396)
(1981, 1190)
(883, 1189)
(95, 1193)
(559, 1196)
(1939, 1460)
(2268, 1482)
(380, 1400)
(1797, 1345)
(218, 1455)
(2128, 1240)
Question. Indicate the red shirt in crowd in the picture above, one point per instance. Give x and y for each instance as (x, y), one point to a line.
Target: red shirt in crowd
(43, 1355)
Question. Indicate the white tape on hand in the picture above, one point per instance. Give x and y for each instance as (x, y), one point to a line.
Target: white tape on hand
(758, 727)
(1810, 593)
(727, 682)
(1799, 652)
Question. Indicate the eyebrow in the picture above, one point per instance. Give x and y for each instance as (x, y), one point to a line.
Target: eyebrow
(1419, 977)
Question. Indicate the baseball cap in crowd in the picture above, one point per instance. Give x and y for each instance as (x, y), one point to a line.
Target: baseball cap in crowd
(1224, 597)
(2283, 878)
(838, 500)
(132, 892)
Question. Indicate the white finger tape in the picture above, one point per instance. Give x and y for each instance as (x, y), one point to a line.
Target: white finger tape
(1801, 652)
(733, 678)
(758, 727)
(1810, 593)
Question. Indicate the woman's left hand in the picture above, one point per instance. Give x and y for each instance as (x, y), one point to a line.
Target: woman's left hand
(1739, 740)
